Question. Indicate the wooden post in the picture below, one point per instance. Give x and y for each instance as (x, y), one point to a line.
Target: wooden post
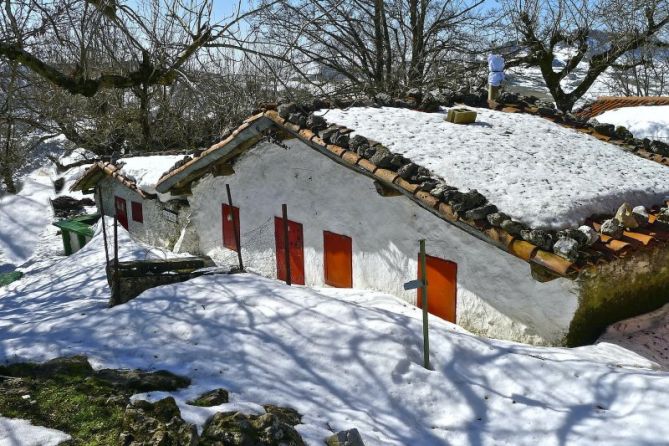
(104, 227)
(235, 228)
(286, 247)
(116, 289)
(424, 303)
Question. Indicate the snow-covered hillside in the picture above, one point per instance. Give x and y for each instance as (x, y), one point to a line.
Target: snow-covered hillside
(24, 216)
(644, 122)
(343, 358)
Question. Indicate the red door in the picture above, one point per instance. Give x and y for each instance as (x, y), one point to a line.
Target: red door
(441, 287)
(229, 240)
(122, 212)
(295, 249)
(338, 260)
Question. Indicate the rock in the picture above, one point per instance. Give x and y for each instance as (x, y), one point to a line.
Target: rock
(157, 423)
(566, 247)
(140, 381)
(469, 200)
(513, 227)
(298, 118)
(481, 212)
(316, 123)
(285, 414)
(237, 429)
(575, 234)
(65, 206)
(641, 216)
(497, 218)
(659, 148)
(339, 139)
(383, 99)
(623, 133)
(613, 228)
(358, 141)
(539, 237)
(546, 111)
(328, 133)
(430, 103)
(407, 171)
(591, 235)
(211, 398)
(350, 437)
(440, 189)
(58, 184)
(428, 185)
(663, 215)
(605, 129)
(382, 158)
(285, 110)
(507, 97)
(398, 161)
(625, 217)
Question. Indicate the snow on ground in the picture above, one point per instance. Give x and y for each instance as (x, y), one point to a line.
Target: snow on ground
(342, 358)
(647, 335)
(540, 173)
(15, 432)
(24, 216)
(147, 170)
(644, 122)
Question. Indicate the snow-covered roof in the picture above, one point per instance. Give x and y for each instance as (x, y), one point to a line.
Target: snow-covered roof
(145, 171)
(538, 172)
(643, 121)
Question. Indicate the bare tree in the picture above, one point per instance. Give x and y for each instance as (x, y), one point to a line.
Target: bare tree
(87, 46)
(542, 27)
(371, 46)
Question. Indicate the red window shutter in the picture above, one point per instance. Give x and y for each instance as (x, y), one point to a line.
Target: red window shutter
(121, 212)
(295, 249)
(228, 226)
(338, 260)
(441, 287)
(137, 214)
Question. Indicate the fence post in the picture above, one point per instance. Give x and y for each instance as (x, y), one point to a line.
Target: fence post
(286, 247)
(104, 227)
(116, 289)
(424, 303)
(235, 228)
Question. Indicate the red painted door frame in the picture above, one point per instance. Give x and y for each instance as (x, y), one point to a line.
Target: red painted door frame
(338, 260)
(121, 211)
(441, 287)
(295, 248)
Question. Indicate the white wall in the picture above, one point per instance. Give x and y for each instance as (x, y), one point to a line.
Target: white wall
(496, 294)
(155, 229)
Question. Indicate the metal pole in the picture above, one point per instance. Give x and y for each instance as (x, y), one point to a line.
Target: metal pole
(235, 228)
(104, 227)
(424, 303)
(286, 247)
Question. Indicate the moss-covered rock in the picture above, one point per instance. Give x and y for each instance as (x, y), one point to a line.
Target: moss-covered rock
(238, 429)
(211, 398)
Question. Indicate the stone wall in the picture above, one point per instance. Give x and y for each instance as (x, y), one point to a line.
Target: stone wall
(157, 229)
(618, 290)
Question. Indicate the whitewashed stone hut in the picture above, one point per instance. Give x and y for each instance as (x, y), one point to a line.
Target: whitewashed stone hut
(498, 203)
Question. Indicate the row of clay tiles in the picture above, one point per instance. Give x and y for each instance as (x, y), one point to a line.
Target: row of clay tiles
(606, 103)
(516, 246)
(607, 248)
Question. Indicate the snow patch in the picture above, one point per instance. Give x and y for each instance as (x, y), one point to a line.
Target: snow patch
(16, 432)
(644, 122)
(147, 170)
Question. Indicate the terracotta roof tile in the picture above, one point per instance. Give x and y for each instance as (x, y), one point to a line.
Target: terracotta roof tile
(367, 165)
(606, 103)
(555, 263)
(522, 249)
(427, 199)
(385, 175)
